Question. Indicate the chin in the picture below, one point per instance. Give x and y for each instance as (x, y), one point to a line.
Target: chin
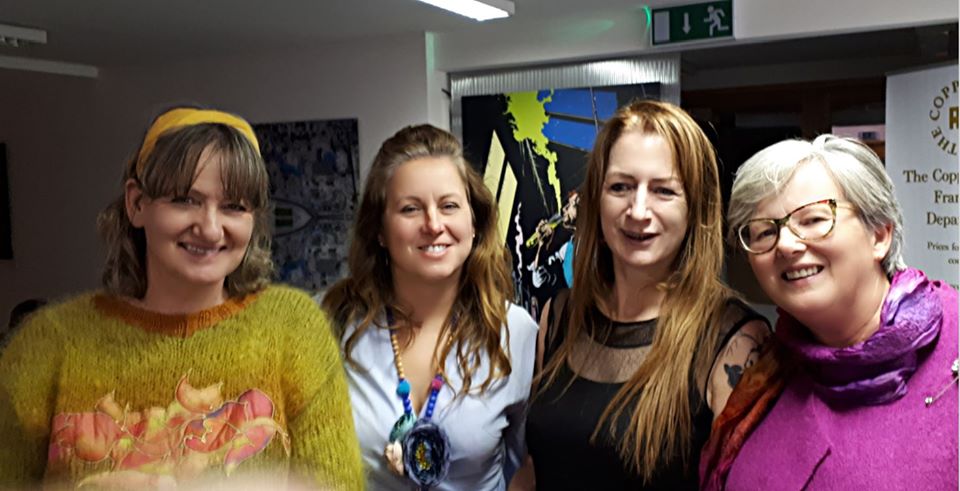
(805, 307)
(439, 274)
(436, 276)
(206, 280)
(208, 284)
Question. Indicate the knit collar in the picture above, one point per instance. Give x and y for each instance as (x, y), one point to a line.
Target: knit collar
(874, 371)
(178, 325)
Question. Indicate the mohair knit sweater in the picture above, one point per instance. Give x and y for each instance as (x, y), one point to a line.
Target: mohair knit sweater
(98, 392)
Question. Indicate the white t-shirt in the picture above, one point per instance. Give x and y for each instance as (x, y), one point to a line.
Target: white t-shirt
(486, 432)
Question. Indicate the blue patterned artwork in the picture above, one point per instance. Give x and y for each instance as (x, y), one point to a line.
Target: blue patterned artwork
(313, 186)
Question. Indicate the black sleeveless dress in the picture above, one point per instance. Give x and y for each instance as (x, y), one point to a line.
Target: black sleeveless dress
(562, 419)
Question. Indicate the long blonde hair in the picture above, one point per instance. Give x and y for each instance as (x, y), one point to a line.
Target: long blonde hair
(660, 428)
(485, 285)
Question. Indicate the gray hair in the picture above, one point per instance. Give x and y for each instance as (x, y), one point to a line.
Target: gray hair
(855, 168)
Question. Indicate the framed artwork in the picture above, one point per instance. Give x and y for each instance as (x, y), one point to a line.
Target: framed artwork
(313, 187)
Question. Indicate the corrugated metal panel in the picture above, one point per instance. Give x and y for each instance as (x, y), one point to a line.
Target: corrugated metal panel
(661, 68)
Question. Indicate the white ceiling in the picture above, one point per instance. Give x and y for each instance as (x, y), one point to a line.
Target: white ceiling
(105, 32)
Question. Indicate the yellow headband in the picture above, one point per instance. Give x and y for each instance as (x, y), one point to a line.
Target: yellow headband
(178, 118)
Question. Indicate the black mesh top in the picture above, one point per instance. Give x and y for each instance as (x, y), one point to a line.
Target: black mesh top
(562, 419)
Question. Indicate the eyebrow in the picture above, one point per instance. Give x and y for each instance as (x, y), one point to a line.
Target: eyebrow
(618, 174)
(624, 175)
(440, 198)
(192, 193)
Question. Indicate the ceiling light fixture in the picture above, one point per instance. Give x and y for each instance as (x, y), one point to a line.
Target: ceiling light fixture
(17, 36)
(48, 66)
(476, 9)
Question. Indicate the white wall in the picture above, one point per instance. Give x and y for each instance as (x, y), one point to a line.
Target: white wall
(438, 87)
(47, 123)
(67, 138)
(594, 33)
(381, 81)
(779, 19)
(609, 33)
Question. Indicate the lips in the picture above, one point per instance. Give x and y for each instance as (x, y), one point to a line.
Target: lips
(434, 249)
(197, 250)
(638, 236)
(801, 273)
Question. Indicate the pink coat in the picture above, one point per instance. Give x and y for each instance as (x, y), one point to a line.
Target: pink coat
(803, 443)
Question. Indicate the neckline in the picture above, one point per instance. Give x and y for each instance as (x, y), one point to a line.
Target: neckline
(175, 325)
(625, 335)
(428, 405)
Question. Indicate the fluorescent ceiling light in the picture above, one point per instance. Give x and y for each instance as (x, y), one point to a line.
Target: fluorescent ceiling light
(17, 36)
(48, 66)
(479, 10)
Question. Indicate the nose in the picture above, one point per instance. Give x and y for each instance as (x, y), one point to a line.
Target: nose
(432, 223)
(638, 205)
(788, 243)
(208, 225)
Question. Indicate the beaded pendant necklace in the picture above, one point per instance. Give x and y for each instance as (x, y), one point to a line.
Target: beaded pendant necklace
(417, 448)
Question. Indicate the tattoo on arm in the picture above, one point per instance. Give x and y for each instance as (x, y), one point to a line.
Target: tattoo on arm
(734, 371)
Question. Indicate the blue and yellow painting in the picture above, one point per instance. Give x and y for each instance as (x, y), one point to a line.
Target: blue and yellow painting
(532, 148)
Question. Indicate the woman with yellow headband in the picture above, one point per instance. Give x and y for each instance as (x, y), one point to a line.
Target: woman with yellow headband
(188, 367)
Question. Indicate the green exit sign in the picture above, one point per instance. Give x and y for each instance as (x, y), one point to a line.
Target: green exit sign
(710, 20)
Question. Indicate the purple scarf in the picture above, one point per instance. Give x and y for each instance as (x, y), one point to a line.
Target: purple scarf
(874, 371)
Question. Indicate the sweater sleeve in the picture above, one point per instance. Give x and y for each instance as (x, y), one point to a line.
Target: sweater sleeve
(28, 368)
(323, 440)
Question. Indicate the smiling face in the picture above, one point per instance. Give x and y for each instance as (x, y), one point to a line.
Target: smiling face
(427, 223)
(193, 241)
(643, 208)
(826, 278)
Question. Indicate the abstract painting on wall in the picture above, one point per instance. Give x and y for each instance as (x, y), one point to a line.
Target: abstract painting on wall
(531, 149)
(313, 186)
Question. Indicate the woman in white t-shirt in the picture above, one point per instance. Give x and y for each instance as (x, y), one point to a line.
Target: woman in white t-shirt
(439, 362)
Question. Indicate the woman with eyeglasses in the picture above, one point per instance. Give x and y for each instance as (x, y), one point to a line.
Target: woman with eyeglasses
(857, 389)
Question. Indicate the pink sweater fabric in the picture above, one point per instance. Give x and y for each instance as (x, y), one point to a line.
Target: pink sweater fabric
(804, 443)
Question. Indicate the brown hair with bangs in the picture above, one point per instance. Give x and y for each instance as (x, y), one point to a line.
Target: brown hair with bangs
(170, 170)
(656, 397)
(485, 285)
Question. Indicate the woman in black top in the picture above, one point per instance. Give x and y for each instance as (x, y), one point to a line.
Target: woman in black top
(641, 355)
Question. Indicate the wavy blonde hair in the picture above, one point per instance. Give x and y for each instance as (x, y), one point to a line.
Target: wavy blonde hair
(656, 397)
(169, 170)
(484, 287)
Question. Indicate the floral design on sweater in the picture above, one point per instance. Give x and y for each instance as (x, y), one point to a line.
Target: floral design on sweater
(163, 446)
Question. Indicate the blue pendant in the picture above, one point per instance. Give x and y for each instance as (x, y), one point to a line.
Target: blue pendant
(426, 454)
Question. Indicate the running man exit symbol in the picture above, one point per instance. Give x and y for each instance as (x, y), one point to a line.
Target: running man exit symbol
(715, 18)
(699, 21)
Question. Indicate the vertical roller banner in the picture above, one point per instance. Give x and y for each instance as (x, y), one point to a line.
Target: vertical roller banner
(921, 152)
(531, 149)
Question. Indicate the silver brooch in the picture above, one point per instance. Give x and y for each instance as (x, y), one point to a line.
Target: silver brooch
(955, 375)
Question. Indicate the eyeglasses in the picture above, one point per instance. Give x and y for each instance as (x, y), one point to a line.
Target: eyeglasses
(812, 221)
